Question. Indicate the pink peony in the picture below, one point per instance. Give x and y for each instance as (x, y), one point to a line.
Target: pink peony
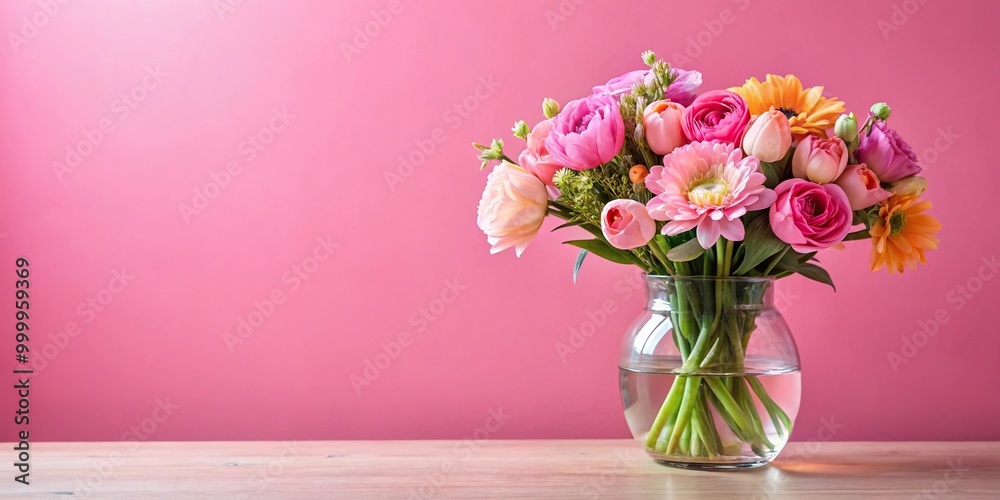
(810, 216)
(535, 158)
(708, 185)
(626, 224)
(717, 115)
(586, 133)
(861, 186)
(819, 160)
(661, 123)
(512, 208)
(886, 154)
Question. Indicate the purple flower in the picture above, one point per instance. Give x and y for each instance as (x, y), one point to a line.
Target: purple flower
(886, 154)
(586, 133)
(622, 84)
(681, 91)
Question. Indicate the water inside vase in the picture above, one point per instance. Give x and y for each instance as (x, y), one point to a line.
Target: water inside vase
(644, 390)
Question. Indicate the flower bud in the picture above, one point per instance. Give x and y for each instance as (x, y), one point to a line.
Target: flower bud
(909, 186)
(648, 57)
(637, 174)
(550, 107)
(847, 128)
(520, 129)
(881, 111)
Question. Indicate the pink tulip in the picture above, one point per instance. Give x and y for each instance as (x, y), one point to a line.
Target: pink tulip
(769, 137)
(809, 216)
(819, 160)
(861, 186)
(626, 224)
(661, 121)
(535, 158)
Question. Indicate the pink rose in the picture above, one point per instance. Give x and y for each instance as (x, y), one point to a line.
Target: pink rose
(626, 224)
(535, 158)
(512, 208)
(819, 160)
(661, 121)
(769, 137)
(716, 115)
(810, 216)
(861, 186)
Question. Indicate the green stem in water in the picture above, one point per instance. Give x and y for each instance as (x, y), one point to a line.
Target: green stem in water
(690, 392)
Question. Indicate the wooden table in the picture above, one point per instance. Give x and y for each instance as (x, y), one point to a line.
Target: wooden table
(493, 469)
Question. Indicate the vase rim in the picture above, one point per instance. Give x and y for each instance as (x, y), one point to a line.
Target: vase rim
(742, 279)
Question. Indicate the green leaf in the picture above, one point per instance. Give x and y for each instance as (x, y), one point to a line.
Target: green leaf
(772, 173)
(760, 243)
(687, 251)
(604, 250)
(791, 264)
(816, 273)
(579, 262)
(590, 228)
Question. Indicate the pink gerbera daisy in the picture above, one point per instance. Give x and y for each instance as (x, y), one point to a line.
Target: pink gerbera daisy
(708, 185)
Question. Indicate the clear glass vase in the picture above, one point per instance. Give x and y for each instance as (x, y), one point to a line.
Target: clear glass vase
(709, 373)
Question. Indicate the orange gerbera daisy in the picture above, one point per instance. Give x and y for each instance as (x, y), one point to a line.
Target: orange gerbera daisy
(807, 110)
(902, 233)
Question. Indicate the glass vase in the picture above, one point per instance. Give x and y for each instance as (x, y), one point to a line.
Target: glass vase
(709, 373)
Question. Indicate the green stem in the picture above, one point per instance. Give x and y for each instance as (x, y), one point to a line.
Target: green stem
(665, 411)
(684, 415)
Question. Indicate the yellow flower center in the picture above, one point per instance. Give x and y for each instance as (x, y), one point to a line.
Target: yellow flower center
(897, 221)
(708, 192)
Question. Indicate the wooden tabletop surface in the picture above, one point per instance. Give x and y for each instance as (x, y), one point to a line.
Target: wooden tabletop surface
(616, 469)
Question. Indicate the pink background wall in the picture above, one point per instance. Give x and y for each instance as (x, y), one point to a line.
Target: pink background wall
(330, 123)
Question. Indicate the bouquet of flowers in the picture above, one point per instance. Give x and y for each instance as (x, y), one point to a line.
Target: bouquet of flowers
(749, 181)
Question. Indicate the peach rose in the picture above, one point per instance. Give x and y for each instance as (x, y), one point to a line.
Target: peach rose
(512, 208)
